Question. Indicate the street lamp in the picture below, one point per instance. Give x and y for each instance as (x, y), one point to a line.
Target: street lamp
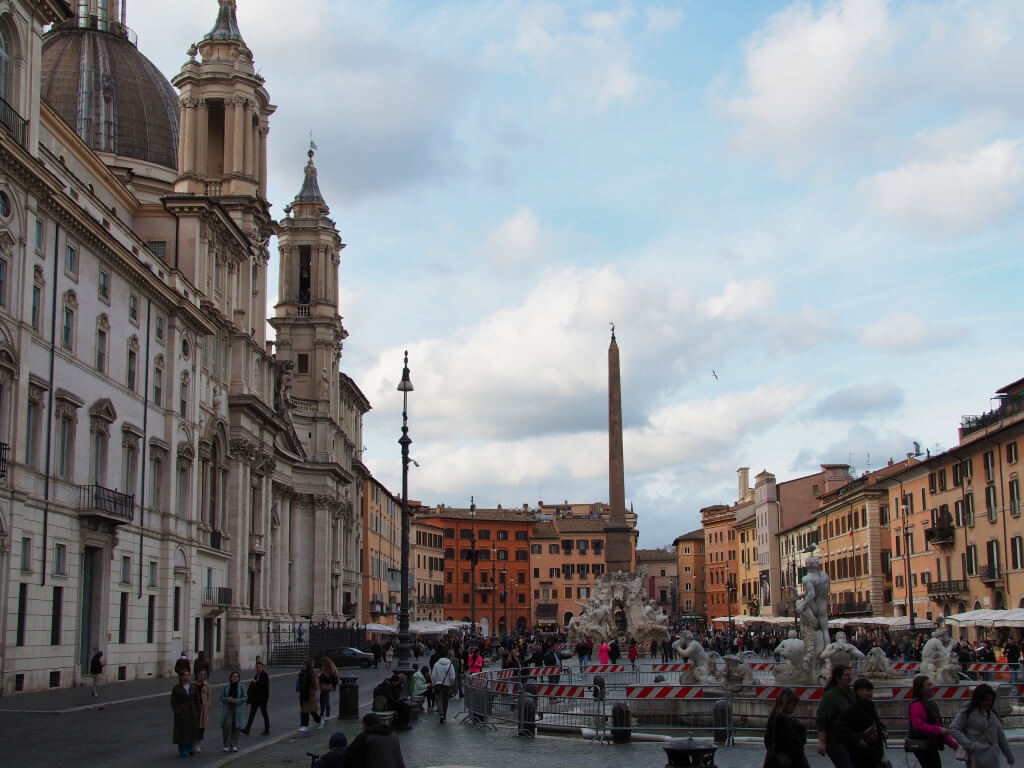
(730, 588)
(908, 537)
(404, 650)
(472, 567)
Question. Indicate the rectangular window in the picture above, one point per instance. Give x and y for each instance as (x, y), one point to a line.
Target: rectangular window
(302, 367)
(1011, 453)
(132, 362)
(158, 387)
(126, 569)
(101, 350)
(553, 549)
(19, 635)
(972, 560)
(56, 615)
(60, 559)
(990, 466)
(122, 620)
(176, 618)
(71, 260)
(183, 402)
(26, 554)
(39, 234)
(133, 308)
(151, 619)
(37, 308)
(957, 472)
(67, 336)
(64, 448)
(103, 286)
(159, 328)
(152, 573)
(3, 283)
(942, 479)
(968, 509)
(990, 503)
(1015, 497)
(535, 549)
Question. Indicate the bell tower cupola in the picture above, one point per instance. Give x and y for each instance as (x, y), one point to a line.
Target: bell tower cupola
(309, 329)
(224, 115)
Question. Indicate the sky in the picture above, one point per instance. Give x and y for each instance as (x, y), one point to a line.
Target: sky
(803, 218)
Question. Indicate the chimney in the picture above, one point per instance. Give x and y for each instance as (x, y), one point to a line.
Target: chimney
(743, 478)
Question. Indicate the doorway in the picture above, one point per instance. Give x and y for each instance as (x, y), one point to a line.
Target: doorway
(92, 606)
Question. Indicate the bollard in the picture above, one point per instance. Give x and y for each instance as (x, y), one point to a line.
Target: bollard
(348, 698)
(622, 723)
(722, 716)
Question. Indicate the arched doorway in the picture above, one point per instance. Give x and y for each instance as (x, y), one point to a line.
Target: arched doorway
(567, 617)
(977, 605)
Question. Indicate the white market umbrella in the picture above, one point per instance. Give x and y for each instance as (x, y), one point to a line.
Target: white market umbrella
(385, 629)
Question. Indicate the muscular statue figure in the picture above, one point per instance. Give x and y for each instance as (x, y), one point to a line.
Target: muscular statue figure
(877, 666)
(792, 650)
(737, 673)
(937, 661)
(812, 603)
(702, 672)
(839, 653)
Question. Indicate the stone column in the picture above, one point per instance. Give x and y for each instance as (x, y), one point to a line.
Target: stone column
(202, 138)
(250, 142)
(618, 552)
(238, 146)
(186, 104)
(321, 557)
(230, 117)
(264, 130)
(293, 558)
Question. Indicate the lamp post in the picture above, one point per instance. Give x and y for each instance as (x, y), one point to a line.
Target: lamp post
(472, 567)
(404, 650)
(730, 588)
(908, 538)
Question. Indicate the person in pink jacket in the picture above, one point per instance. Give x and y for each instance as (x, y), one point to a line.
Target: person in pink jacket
(602, 653)
(926, 724)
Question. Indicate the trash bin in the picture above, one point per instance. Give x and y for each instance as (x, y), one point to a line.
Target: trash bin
(622, 725)
(348, 698)
(722, 715)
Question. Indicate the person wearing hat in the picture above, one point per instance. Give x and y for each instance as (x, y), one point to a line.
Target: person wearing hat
(335, 758)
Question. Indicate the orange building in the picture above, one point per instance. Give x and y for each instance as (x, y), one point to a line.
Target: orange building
(693, 601)
(427, 558)
(719, 523)
(496, 592)
(381, 554)
(566, 558)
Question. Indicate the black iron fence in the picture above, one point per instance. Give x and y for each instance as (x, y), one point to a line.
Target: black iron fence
(14, 122)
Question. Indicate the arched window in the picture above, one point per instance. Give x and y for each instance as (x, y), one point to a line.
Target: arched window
(5, 63)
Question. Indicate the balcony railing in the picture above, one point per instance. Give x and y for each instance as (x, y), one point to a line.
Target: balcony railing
(941, 535)
(97, 501)
(302, 310)
(216, 595)
(5, 451)
(851, 607)
(15, 123)
(947, 588)
(486, 586)
(1008, 406)
(990, 573)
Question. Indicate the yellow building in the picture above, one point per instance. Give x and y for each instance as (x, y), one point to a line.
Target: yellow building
(692, 575)
(382, 554)
(566, 558)
(748, 568)
(426, 557)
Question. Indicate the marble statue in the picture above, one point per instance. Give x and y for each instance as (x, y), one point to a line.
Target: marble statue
(812, 608)
(705, 668)
(877, 667)
(937, 661)
(622, 595)
(839, 653)
(737, 672)
(791, 649)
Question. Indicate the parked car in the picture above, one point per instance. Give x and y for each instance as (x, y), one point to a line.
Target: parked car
(348, 657)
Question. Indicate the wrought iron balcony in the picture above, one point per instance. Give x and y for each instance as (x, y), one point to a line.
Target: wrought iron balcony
(952, 588)
(97, 501)
(941, 535)
(485, 586)
(990, 574)
(216, 595)
(5, 451)
(14, 122)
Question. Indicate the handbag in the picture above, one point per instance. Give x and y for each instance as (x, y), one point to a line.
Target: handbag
(914, 744)
(961, 753)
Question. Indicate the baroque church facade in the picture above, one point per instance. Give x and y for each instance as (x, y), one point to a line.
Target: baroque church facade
(171, 478)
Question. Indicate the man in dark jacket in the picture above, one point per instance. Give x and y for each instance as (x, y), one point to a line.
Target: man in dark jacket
(386, 697)
(259, 695)
(1012, 651)
(375, 747)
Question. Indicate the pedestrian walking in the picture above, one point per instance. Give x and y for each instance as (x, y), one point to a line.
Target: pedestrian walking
(259, 697)
(389, 655)
(232, 716)
(784, 736)
(602, 652)
(96, 665)
(979, 730)
(633, 653)
(201, 693)
(183, 705)
(613, 652)
(443, 677)
(864, 732)
(475, 662)
(926, 736)
(183, 664)
(328, 684)
(376, 746)
(201, 664)
(307, 688)
(1012, 651)
(838, 698)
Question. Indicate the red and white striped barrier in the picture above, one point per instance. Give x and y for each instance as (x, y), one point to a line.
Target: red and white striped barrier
(544, 670)
(504, 687)
(670, 667)
(505, 674)
(941, 692)
(668, 692)
(906, 666)
(988, 667)
(772, 691)
(762, 666)
(562, 691)
(604, 668)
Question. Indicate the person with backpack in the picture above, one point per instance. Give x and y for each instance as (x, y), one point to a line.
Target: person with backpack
(443, 677)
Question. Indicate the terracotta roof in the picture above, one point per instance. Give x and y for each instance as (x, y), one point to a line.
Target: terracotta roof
(490, 515)
(574, 525)
(654, 555)
(696, 533)
(544, 531)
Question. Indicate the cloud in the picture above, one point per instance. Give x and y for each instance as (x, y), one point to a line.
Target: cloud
(519, 241)
(903, 332)
(739, 298)
(955, 193)
(662, 19)
(863, 448)
(807, 73)
(855, 401)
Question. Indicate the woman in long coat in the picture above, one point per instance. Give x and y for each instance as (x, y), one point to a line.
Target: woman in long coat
(979, 730)
(785, 737)
(309, 695)
(183, 704)
(232, 718)
(201, 691)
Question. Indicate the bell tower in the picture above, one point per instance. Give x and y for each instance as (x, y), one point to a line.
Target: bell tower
(224, 112)
(309, 329)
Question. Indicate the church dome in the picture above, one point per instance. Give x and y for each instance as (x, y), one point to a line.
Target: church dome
(113, 97)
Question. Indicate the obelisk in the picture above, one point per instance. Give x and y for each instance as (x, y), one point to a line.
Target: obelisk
(618, 534)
